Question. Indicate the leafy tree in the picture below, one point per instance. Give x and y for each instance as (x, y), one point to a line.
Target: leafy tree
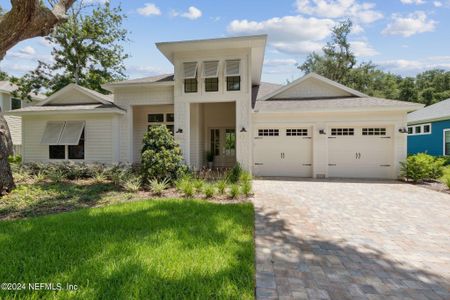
(408, 90)
(161, 155)
(88, 50)
(3, 75)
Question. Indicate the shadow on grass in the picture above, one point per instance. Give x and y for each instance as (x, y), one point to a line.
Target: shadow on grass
(318, 268)
(43, 198)
(170, 249)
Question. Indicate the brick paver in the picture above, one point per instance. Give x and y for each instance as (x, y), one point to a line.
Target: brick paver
(351, 240)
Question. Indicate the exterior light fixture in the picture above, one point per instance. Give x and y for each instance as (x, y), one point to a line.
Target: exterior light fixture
(403, 130)
(322, 131)
(243, 129)
(179, 130)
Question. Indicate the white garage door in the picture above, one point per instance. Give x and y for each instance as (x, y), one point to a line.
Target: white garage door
(360, 152)
(283, 152)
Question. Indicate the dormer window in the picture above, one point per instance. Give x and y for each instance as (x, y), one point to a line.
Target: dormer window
(233, 74)
(211, 75)
(190, 77)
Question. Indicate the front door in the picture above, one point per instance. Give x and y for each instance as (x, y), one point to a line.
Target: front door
(223, 146)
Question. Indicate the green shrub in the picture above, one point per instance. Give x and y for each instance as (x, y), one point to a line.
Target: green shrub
(158, 186)
(209, 190)
(234, 174)
(422, 166)
(161, 155)
(198, 185)
(14, 159)
(235, 191)
(99, 176)
(247, 188)
(245, 177)
(132, 184)
(187, 188)
(447, 181)
(221, 186)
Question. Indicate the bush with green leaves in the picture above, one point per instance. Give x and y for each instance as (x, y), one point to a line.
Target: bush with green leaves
(158, 186)
(234, 191)
(209, 190)
(132, 184)
(161, 155)
(221, 186)
(234, 174)
(247, 188)
(446, 181)
(421, 167)
(187, 188)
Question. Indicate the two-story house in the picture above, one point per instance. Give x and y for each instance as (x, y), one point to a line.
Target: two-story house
(215, 101)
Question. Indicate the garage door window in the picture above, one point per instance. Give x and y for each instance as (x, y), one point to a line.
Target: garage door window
(342, 131)
(268, 132)
(296, 132)
(374, 131)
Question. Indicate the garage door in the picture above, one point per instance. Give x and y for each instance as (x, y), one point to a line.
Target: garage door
(283, 152)
(360, 152)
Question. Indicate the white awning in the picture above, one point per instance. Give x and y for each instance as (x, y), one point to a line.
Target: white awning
(190, 70)
(71, 133)
(211, 69)
(52, 133)
(233, 67)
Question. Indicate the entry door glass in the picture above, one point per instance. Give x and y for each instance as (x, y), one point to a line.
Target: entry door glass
(230, 142)
(215, 142)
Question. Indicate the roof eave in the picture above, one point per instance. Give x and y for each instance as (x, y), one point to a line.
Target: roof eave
(428, 120)
(66, 112)
(111, 86)
(350, 109)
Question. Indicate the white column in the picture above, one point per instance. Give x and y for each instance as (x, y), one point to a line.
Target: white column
(320, 150)
(182, 121)
(130, 139)
(115, 139)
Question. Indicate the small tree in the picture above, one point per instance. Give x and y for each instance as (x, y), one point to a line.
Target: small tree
(161, 155)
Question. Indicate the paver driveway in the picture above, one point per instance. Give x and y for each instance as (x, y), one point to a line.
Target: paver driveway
(351, 240)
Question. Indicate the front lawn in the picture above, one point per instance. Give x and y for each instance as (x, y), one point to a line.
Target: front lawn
(160, 249)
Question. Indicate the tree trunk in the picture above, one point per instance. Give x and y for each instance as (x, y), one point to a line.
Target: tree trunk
(6, 149)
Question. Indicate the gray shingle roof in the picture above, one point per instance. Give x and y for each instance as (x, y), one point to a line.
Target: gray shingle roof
(149, 79)
(265, 88)
(439, 110)
(8, 87)
(68, 108)
(334, 103)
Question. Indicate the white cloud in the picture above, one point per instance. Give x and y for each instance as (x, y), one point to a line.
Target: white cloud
(415, 66)
(149, 9)
(193, 13)
(437, 3)
(363, 49)
(28, 50)
(359, 12)
(417, 2)
(411, 24)
(291, 34)
(280, 62)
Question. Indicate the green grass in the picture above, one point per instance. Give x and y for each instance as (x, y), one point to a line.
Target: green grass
(165, 249)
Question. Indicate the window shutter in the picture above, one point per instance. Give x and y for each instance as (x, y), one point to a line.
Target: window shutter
(190, 70)
(233, 68)
(211, 69)
(52, 133)
(71, 133)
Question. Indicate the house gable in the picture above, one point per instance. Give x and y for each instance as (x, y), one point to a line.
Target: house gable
(73, 94)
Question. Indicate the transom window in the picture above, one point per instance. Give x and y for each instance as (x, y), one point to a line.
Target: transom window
(233, 83)
(268, 132)
(374, 131)
(296, 132)
(211, 84)
(166, 119)
(419, 129)
(342, 131)
(155, 118)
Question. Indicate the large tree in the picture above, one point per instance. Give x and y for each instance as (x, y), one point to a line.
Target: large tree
(87, 50)
(26, 19)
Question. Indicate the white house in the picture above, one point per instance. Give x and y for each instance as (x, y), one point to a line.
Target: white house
(215, 101)
(8, 103)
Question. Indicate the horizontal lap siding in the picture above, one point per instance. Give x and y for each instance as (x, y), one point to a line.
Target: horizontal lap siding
(15, 127)
(98, 132)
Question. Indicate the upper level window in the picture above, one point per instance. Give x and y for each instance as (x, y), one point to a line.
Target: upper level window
(16, 103)
(233, 74)
(190, 77)
(211, 84)
(190, 85)
(233, 83)
(211, 75)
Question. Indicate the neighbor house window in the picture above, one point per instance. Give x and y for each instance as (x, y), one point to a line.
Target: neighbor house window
(447, 142)
(211, 75)
(155, 118)
(64, 137)
(16, 103)
(342, 131)
(190, 77)
(233, 83)
(211, 84)
(419, 129)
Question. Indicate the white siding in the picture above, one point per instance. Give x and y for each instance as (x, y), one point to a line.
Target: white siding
(15, 127)
(98, 137)
(312, 88)
(74, 97)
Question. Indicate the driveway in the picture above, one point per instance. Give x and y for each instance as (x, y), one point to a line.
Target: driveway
(351, 240)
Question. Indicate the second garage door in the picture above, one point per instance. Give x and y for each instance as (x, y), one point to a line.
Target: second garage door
(283, 152)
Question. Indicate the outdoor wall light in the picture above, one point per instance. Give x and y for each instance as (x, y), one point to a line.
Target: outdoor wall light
(243, 129)
(403, 130)
(322, 131)
(179, 130)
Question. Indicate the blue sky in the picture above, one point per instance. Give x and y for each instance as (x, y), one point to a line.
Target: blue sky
(402, 36)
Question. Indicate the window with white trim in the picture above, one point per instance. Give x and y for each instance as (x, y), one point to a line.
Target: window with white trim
(268, 132)
(374, 131)
(297, 132)
(167, 119)
(342, 131)
(419, 129)
(16, 103)
(233, 74)
(447, 142)
(190, 77)
(65, 139)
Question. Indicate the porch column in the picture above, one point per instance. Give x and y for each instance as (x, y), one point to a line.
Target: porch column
(130, 140)
(182, 121)
(243, 139)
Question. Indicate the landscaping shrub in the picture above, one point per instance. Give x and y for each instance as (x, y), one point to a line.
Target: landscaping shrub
(132, 184)
(234, 191)
(14, 159)
(198, 185)
(234, 174)
(161, 155)
(187, 188)
(245, 177)
(447, 181)
(247, 188)
(209, 190)
(421, 167)
(221, 186)
(158, 186)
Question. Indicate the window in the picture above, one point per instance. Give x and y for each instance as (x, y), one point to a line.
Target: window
(16, 103)
(419, 129)
(297, 132)
(268, 132)
(72, 132)
(77, 151)
(211, 84)
(52, 133)
(233, 83)
(156, 118)
(211, 69)
(190, 85)
(233, 67)
(374, 131)
(342, 131)
(57, 152)
(447, 142)
(230, 142)
(170, 117)
(215, 141)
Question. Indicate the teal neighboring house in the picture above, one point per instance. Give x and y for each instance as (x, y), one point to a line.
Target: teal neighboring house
(429, 129)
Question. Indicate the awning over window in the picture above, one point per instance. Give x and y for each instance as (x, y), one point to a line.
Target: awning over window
(63, 133)
(233, 67)
(211, 69)
(190, 70)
